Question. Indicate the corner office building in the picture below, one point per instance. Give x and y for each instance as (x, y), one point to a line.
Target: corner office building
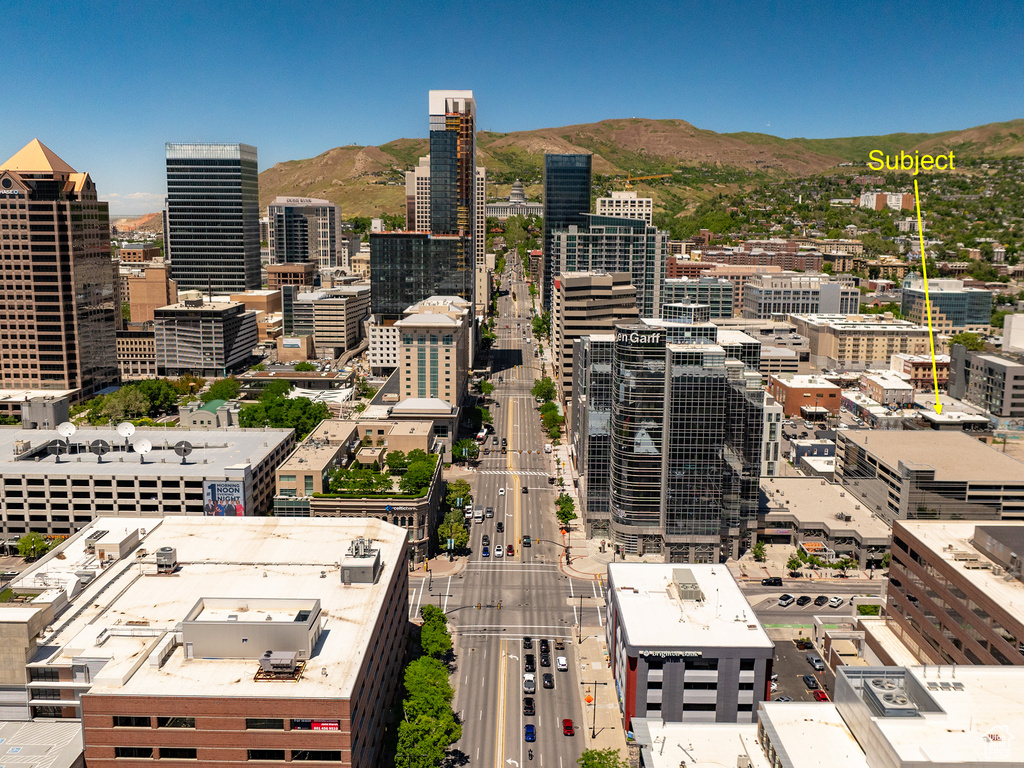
(213, 219)
(671, 442)
(57, 285)
(685, 645)
(194, 642)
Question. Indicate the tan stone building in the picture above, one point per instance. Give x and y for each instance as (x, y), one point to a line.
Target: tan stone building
(139, 253)
(434, 350)
(586, 303)
(301, 275)
(58, 312)
(146, 288)
(856, 342)
(136, 354)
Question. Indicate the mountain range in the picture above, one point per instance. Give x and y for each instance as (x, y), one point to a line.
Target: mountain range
(368, 181)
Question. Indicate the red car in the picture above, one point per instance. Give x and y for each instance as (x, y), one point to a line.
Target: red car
(567, 728)
(509, 551)
(820, 695)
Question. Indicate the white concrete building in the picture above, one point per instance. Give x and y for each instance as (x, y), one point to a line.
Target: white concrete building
(626, 205)
(684, 644)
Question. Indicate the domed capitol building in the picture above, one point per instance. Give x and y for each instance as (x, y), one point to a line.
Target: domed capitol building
(515, 205)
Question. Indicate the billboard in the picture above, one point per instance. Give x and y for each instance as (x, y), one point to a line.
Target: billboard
(223, 498)
(291, 343)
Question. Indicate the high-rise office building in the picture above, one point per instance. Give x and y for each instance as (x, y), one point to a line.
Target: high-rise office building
(566, 203)
(407, 267)
(608, 244)
(586, 303)
(441, 257)
(213, 221)
(57, 288)
(791, 293)
(305, 229)
(677, 432)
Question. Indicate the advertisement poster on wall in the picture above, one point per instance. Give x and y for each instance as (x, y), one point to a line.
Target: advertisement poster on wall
(223, 498)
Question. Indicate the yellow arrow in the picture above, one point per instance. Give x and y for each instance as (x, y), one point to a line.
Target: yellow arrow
(927, 299)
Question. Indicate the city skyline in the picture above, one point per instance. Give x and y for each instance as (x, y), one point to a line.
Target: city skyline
(135, 109)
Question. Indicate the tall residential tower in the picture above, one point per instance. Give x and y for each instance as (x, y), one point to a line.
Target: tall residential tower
(57, 300)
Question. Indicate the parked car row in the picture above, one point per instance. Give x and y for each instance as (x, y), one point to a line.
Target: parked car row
(787, 600)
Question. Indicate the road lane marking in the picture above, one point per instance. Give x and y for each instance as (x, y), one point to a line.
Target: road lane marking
(499, 731)
(448, 593)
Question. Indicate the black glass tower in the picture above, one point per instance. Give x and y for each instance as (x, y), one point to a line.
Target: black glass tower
(566, 202)
(213, 220)
(407, 267)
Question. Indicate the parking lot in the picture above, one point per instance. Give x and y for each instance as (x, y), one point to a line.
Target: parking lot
(791, 665)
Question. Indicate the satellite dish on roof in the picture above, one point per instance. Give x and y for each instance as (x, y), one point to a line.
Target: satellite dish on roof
(66, 429)
(183, 448)
(142, 446)
(126, 429)
(99, 447)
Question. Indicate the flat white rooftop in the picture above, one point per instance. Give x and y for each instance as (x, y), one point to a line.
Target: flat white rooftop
(813, 500)
(213, 451)
(127, 609)
(698, 745)
(654, 617)
(804, 733)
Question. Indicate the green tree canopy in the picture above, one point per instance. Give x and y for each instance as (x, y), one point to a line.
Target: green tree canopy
(601, 758)
(281, 412)
(544, 389)
(794, 562)
(126, 403)
(972, 341)
(465, 450)
(225, 389)
(565, 508)
(396, 461)
(304, 365)
(486, 388)
(160, 393)
(188, 384)
(459, 489)
(416, 479)
(32, 545)
(453, 527)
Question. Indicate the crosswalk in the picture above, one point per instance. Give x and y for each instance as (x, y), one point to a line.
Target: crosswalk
(506, 472)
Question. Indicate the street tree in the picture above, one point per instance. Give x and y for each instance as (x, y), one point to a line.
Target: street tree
(453, 527)
(601, 758)
(32, 545)
(544, 389)
(465, 450)
(794, 563)
(459, 489)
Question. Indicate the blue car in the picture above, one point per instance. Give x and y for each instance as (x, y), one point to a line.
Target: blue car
(487, 552)
(529, 733)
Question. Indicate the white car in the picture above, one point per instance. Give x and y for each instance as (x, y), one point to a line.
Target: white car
(529, 683)
(501, 491)
(498, 551)
(562, 664)
(835, 602)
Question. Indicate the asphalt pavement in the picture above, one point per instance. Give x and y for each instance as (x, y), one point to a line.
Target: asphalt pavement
(493, 603)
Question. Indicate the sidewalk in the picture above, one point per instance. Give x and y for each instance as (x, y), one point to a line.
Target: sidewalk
(776, 556)
(597, 682)
(439, 566)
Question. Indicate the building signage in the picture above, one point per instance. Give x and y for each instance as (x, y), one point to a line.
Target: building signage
(777, 531)
(671, 654)
(291, 343)
(326, 725)
(636, 337)
(223, 499)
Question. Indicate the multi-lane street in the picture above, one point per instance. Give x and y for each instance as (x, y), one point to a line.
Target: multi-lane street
(497, 601)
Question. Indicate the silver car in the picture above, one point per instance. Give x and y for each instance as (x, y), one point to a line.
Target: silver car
(529, 683)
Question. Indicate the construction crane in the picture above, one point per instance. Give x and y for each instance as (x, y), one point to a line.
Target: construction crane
(638, 178)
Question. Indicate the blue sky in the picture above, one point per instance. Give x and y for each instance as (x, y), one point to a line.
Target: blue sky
(107, 83)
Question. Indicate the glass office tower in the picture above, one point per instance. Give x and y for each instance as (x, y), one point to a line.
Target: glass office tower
(668, 441)
(566, 203)
(407, 267)
(213, 220)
